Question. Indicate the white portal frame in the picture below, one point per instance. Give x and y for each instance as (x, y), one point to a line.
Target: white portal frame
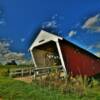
(43, 38)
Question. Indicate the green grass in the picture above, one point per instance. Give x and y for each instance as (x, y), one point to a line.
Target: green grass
(16, 90)
(11, 89)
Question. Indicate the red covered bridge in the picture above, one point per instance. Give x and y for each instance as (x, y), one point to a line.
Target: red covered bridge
(51, 50)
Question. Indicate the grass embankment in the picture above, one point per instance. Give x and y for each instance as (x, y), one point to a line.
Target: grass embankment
(16, 90)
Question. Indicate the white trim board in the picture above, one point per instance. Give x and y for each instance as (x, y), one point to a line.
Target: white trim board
(43, 37)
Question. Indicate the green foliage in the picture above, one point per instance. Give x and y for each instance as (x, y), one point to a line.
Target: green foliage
(3, 72)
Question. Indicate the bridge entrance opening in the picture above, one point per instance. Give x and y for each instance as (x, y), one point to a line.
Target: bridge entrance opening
(46, 55)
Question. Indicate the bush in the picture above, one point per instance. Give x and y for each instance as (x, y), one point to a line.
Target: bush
(4, 72)
(70, 85)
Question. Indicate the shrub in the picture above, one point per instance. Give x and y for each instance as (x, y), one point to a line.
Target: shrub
(76, 85)
(4, 72)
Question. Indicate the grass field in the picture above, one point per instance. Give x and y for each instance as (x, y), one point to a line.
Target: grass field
(11, 89)
(16, 90)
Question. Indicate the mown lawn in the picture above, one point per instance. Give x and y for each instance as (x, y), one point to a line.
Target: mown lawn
(11, 89)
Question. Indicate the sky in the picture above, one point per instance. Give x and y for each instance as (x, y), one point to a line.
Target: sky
(76, 20)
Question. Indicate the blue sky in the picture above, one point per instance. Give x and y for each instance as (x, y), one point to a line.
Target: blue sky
(76, 20)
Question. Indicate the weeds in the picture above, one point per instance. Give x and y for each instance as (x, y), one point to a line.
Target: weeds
(70, 85)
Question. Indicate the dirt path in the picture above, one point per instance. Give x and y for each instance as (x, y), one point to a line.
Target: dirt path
(27, 79)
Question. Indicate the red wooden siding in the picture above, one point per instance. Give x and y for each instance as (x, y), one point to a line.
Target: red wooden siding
(79, 61)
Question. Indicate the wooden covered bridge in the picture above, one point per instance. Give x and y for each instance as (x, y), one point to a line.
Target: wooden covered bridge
(50, 50)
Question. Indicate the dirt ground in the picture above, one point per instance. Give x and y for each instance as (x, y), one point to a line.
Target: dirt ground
(27, 79)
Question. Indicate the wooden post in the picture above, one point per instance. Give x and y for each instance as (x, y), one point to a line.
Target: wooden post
(22, 72)
(30, 71)
(10, 74)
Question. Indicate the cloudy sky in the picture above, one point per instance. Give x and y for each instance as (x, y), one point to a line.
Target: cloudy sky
(76, 20)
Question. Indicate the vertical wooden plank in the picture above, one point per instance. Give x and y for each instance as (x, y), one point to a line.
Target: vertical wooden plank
(22, 72)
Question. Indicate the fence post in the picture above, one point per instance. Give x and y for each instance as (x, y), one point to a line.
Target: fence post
(22, 72)
(30, 71)
(10, 74)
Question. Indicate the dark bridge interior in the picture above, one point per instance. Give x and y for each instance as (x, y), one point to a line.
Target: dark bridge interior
(46, 55)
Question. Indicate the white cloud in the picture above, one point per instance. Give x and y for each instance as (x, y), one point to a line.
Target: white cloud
(90, 47)
(2, 22)
(54, 16)
(72, 33)
(6, 55)
(97, 45)
(77, 25)
(18, 57)
(11, 41)
(14, 56)
(2, 19)
(50, 24)
(22, 39)
(94, 46)
(98, 54)
(53, 22)
(3, 44)
(92, 23)
(26, 62)
(4, 47)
